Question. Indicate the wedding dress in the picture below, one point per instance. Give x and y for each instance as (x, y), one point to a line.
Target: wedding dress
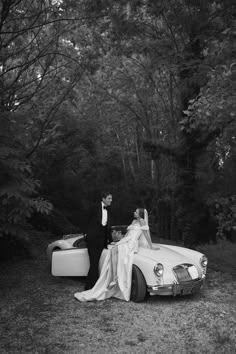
(121, 254)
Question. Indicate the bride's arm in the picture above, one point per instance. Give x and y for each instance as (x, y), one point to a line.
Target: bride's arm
(142, 222)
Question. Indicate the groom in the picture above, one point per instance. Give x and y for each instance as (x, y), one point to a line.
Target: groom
(98, 235)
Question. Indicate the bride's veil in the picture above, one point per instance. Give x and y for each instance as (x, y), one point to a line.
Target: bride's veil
(146, 217)
(147, 232)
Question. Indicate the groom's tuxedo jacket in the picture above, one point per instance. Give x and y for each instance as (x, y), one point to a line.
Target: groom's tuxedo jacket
(95, 230)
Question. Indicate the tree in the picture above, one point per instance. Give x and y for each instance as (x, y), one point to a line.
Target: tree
(35, 58)
(183, 38)
(18, 192)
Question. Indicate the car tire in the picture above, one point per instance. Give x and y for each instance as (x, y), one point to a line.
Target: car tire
(138, 285)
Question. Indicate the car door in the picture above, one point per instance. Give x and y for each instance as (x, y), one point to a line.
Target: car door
(70, 262)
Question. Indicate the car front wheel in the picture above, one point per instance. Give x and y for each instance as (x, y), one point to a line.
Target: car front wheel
(138, 285)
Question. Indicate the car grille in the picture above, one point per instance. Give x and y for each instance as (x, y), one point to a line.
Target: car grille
(185, 272)
(189, 287)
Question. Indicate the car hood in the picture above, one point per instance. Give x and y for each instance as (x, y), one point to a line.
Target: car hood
(170, 258)
(165, 255)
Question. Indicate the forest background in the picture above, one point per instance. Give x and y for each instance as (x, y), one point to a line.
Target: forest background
(133, 97)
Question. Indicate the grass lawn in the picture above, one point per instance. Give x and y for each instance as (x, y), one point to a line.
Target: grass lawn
(40, 315)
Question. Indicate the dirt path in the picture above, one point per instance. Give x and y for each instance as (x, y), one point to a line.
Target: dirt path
(40, 315)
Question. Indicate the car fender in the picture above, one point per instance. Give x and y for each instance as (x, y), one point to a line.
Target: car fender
(146, 266)
(62, 244)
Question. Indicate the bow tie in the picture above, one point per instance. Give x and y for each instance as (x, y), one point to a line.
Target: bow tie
(104, 207)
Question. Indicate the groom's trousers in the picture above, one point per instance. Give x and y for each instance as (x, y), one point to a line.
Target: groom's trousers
(95, 248)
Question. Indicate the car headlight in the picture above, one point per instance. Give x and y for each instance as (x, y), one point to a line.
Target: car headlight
(158, 269)
(203, 261)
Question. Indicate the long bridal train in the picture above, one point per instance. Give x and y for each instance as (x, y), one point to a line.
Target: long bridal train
(116, 273)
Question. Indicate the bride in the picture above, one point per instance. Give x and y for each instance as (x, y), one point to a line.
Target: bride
(116, 273)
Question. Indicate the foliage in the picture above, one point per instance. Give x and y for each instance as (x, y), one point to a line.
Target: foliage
(134, 97)
(206, 109)
(34, 82)
(18, 192)
(224, 210)
(215, 106)
(221, 255)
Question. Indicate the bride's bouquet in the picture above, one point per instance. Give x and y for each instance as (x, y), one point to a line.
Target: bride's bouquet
(116, 235)
(118, 232)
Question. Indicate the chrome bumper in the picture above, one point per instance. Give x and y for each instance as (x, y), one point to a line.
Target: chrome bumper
(184, 288)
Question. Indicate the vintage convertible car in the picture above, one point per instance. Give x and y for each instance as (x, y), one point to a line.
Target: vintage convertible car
(163, 270)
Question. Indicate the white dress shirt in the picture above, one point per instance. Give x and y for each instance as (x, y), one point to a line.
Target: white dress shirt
(104, 215)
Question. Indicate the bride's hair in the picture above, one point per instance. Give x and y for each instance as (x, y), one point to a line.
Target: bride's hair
(141, 212)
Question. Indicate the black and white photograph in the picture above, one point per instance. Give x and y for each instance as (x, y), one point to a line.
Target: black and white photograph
(117, 176)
